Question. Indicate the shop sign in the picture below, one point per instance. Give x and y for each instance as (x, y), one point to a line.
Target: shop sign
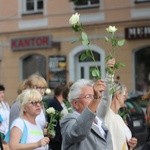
(133, 33)
(57, 70)
(31, 43)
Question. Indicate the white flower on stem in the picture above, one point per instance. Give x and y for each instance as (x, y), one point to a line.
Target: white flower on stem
(50, 110)
(48, 91)
(111, 29)
(74, 19)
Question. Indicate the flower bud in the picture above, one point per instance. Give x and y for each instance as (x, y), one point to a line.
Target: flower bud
(50, 110)
(74, 19)
(111, 29)
(48, 91)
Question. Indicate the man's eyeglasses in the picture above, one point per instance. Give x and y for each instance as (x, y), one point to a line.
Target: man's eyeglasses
(88, 96)
(35, 103)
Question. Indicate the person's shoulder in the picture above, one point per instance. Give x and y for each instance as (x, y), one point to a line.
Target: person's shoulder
(15, 106)
(15, 103)
(52, 100)
(70, 116)
(119, 118)
(4, 103)
(18, 123)
(55, 104)
(18, 120)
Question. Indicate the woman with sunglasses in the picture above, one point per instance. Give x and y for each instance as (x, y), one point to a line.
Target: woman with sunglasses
(26, 125)
(32, 82)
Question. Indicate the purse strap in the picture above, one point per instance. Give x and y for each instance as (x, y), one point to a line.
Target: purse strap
(24, 136)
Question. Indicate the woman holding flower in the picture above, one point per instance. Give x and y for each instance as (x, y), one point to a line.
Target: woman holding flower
(121, 135)
(25, 126)
(37, 82)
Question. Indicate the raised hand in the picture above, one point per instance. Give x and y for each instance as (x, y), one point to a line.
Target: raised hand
(98, 88)
(111, 62)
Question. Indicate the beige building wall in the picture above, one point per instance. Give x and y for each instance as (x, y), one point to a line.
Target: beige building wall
(54, 22)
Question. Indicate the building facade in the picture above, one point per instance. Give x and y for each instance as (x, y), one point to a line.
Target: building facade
(35, 37)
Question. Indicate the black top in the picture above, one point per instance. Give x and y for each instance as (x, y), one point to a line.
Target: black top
(56, 142)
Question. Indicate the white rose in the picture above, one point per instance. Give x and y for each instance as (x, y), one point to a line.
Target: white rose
(48, 91)
(50, 110)
(74, 19)
(111, 29)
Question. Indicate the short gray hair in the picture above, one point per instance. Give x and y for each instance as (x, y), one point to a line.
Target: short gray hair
(76, 88)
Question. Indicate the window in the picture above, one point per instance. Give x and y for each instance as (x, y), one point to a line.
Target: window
(84, 67)
(34, 64)
(32, 6)
(141, 1)
(79, 4)
(57, 70)
(142, 70)
(89, 59)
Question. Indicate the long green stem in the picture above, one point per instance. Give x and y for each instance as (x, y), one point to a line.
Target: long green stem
(92, 56)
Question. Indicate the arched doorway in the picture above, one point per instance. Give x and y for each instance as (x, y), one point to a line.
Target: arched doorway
(81, 69)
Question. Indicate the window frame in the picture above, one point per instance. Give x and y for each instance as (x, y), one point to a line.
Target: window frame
(88, 5)
(35, 10)
(141, 1)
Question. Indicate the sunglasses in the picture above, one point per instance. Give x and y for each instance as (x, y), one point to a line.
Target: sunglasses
(35, 103)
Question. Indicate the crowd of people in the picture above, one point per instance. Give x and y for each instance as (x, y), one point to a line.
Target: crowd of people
(89, 116)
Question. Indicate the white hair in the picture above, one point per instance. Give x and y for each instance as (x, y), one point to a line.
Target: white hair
(76, 88)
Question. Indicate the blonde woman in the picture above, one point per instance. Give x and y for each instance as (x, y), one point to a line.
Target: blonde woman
(33, 82)
(121, 135)
(31, 106)
(39, 83)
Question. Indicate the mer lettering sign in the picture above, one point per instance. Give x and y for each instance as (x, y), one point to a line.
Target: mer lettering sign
(31, 43)
(133, 33)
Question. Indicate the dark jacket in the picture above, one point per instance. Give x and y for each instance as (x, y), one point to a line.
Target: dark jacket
(1, 144)
(56, 142)
(146, 145)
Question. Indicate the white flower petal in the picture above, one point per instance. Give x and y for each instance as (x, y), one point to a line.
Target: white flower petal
(48, 91)
(74, 19)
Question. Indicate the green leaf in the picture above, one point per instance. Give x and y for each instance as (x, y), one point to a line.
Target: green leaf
(84, 38)
(95, 72)
(114, 42)
(121, 42)
(88, 54)
(77, 27)
(110, 70)
(75, 41)
(107, 39)
(118, 65)
(83, 56)
(85, 42)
